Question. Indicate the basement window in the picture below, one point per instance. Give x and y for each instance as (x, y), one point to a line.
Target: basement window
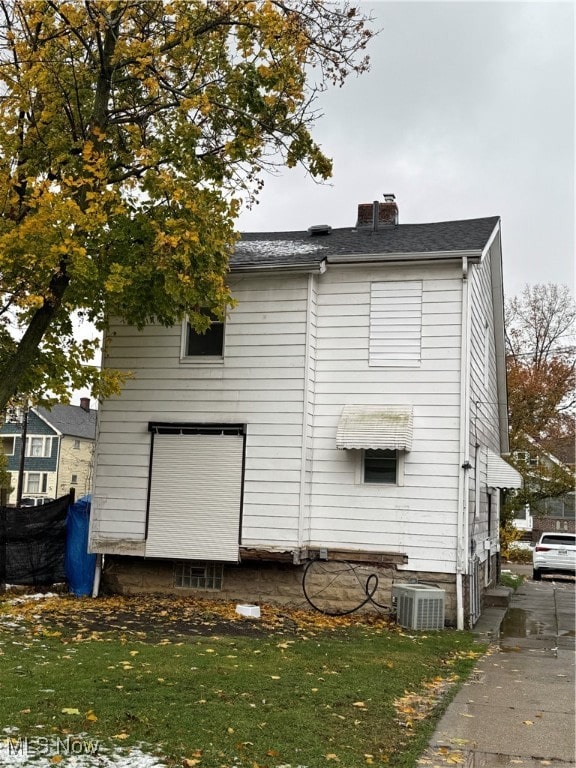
(192, 574)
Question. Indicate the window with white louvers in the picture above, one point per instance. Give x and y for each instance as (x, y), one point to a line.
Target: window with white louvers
(195, 496)
(396, 324)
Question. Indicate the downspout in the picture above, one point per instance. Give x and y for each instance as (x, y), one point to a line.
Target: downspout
(306, 393)
(463, 479)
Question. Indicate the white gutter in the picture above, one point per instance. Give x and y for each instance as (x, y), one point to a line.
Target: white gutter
(470, 255)
(305, 416)
(311, 267)
(464, 458)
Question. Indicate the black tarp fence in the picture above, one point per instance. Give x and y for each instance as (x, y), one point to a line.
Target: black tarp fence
(33, 544)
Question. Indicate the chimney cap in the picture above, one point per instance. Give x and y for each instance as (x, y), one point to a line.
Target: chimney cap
(389, 197)
(85, 403)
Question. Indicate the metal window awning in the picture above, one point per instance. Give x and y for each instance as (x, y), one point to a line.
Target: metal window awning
(375, 426)
(500, 474)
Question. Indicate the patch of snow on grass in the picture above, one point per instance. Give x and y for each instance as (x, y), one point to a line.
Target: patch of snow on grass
(38, 753)
(34, 596)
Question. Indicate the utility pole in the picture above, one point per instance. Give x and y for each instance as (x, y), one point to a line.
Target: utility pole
(22, 456)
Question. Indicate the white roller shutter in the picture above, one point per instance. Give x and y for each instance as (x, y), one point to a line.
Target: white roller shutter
(195, 496)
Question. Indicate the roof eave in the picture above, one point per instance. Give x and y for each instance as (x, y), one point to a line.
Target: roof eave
(317, 268)
(46, 421)
(473, 256)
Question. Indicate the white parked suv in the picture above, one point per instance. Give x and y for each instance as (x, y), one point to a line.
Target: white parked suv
(554, 553)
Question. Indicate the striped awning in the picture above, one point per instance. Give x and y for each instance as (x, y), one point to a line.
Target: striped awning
(500, 474)
(375, 426)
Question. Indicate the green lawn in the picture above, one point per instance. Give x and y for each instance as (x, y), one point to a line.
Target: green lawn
(345, 694)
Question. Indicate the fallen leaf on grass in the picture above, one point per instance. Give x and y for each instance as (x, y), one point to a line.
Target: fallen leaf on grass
(91, 716)
(332, 756)
(358, 704)
(70, 711)
(190, 763)
(120, 735)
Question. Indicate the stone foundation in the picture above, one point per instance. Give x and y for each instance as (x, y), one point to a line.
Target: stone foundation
(330, 585)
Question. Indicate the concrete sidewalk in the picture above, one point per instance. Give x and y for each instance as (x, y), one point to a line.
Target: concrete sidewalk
(518, 707)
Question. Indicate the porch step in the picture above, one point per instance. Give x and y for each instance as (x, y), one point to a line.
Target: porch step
(496, 597)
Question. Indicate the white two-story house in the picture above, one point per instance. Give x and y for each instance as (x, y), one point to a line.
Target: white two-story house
(351, 410)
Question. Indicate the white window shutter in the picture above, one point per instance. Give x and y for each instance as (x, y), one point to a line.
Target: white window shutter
(396, 324)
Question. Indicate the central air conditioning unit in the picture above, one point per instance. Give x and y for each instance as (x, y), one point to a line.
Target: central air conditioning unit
(419, 606)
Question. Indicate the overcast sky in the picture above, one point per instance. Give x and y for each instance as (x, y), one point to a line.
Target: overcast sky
(467, 111)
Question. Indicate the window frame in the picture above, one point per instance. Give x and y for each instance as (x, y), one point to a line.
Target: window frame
(46, 449)
(5, 438)
(212, 359)
(361, 470)
(42, 482)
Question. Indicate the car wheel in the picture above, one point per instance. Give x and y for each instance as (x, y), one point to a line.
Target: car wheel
(537, 574)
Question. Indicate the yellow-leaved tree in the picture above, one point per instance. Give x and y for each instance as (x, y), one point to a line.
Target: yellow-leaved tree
(130, 132)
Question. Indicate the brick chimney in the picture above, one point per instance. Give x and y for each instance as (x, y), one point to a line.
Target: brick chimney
(85, 404)
(376, 214)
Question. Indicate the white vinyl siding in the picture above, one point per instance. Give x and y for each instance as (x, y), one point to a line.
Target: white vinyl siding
(483, 406)
(419, 516)
(396, 323)
(195, 497)
(260, 382)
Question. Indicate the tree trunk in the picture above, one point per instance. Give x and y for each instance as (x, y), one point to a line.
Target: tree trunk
(27, 351)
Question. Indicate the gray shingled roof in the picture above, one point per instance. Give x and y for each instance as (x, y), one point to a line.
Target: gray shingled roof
(71, 420)
(269, 249)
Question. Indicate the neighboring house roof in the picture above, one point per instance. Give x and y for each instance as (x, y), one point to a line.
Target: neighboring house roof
(70, 420)
(301, 249)
(558, 457)
(564, 449)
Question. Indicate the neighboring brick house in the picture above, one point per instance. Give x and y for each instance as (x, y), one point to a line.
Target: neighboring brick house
(59, 451)
(552, 513)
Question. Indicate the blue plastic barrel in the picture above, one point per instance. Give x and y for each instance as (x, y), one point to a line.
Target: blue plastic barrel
(80, 565)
